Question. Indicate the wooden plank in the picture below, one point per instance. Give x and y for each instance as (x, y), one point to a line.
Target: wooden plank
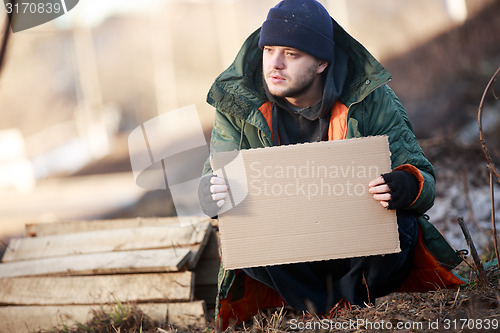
(154, 237)
(34, 318)
(211, 251)
(98, 289)
(207, 269)
(207, 293)
(206, 272)
(69, 227)
(178, 314)
(145, 261)
(198, 250)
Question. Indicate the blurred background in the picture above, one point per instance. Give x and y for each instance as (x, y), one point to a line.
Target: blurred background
(71, 91)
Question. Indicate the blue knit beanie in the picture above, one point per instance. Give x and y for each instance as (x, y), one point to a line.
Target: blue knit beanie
(302, 24)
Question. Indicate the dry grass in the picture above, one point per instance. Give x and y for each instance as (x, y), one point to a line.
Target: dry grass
(461, 310)
(123, 318)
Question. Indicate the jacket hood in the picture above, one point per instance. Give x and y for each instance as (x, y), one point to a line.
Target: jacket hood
(239, 90)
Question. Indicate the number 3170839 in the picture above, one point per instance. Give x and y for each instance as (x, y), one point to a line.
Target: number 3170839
(33, 8)
(472, 324)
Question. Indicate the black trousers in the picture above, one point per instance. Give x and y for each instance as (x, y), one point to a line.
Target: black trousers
(318, 286)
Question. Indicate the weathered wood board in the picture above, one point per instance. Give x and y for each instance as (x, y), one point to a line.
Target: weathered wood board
(97, 289)
(31, 318)
(65, 270)
(144, 261)
(207, 271)
(155, 237)
(69, 227)
(197, 250)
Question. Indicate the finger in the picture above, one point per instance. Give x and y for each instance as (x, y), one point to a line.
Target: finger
(382, 197)
(217, 181)
(378, 181)
(218, 188)
(384, 204)
(220, 203)
(219, 196)
(384, 188)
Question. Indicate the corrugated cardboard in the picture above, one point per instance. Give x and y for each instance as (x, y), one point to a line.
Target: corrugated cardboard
(304, 202)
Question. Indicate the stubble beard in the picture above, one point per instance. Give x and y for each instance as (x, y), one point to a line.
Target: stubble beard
(300, 87)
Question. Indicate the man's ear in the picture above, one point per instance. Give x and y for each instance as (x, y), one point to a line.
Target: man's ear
(322, 65)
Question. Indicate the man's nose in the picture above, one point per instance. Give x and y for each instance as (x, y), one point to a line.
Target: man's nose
(277, 61)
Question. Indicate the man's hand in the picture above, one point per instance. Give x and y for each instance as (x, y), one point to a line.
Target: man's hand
(219, 190)
(380, 191)
(212, 191)
(395, 190)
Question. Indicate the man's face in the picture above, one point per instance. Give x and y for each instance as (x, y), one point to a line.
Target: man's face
(290, 73)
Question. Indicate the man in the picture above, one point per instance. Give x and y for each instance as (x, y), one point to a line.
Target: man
(302, 78)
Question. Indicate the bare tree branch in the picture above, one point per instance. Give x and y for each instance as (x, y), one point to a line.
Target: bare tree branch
(479, 122)
(483, 280)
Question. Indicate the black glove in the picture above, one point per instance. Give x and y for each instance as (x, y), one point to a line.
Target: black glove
(208, 206)
(404, 188)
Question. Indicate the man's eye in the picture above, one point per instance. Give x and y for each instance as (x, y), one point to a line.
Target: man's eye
(291, 54)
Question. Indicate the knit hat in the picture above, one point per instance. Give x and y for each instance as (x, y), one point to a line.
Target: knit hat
(302, 24)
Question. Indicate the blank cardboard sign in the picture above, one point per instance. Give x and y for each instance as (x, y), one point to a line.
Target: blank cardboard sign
(304, 202)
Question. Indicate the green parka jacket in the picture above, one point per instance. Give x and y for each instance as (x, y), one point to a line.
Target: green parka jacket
(373, 109)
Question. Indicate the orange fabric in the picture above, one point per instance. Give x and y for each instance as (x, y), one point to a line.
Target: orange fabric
(257, 296)
(426, 273)
(338, 122)
(413, 171)
(266, 110)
